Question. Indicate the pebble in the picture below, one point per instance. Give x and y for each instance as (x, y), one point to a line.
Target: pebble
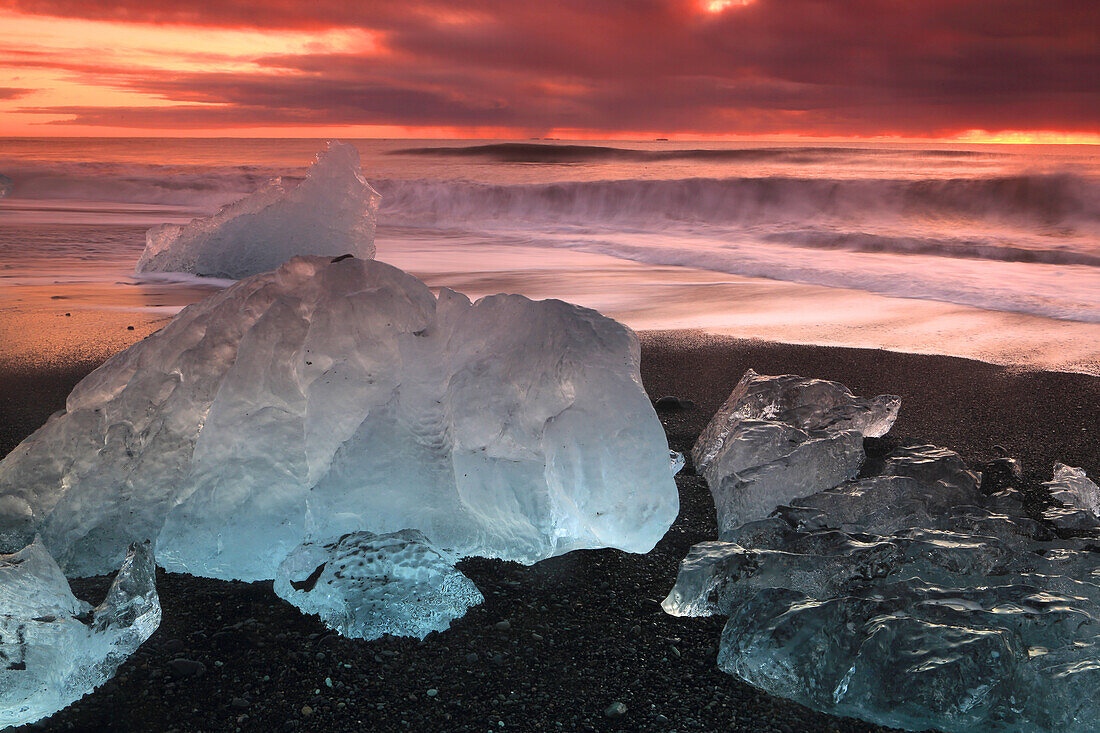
(306, 711)
(187, 668)
(503, 625)
(615, 710)
(432, 692)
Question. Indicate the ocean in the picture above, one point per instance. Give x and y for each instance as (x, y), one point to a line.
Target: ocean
(983, 251)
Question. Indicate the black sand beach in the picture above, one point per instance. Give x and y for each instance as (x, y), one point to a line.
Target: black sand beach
(556, 644)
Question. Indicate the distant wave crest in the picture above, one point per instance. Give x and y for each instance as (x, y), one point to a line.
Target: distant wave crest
(545, 153)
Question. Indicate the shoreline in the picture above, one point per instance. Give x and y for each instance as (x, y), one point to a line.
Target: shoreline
(585, 629)
(46, 312)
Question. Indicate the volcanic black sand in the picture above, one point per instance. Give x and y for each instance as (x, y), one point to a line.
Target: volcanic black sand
(554, 645)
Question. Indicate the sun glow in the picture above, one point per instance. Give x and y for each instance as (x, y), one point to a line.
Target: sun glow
(717, 6)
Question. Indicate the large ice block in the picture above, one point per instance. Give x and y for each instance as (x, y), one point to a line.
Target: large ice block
(780, 438)
(909, 599)
(365, 585)
(54, 648)
(332, 212)
(335, 396)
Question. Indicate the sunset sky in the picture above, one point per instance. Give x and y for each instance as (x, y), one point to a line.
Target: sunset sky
(973, 69)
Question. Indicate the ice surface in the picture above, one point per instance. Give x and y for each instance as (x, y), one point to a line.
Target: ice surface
(332, 212)
(1074, 489)
(807, 404)
(909, 599)
(54, 648)
(779, 438)
(365, 585)
(338, 396)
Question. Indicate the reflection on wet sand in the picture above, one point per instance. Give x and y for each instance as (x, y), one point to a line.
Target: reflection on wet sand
(88, 315)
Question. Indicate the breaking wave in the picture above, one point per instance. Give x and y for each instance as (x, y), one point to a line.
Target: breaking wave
(1044, 200)
(193, 186)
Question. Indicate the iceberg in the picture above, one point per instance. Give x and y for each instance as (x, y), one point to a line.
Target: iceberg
(332, 212)
(365, 585)
(340, 395)
(909, 599)
(780, 438)
(54, 648)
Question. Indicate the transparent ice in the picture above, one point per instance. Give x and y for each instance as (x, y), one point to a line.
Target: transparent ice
(332, 212)
(1074, 489)
(365, 585)
(909, 599)
(335, 396)
(779, 438)
(54, 648)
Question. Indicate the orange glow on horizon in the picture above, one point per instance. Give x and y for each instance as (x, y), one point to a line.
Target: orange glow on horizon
(400, 132)
(1029, 137)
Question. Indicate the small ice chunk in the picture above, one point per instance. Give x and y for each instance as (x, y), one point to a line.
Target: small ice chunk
(676, 461)
(54, 648)
(339, 395)
(6, 185)
(780, 438)
(1074, 489)
(807, 404)
(332, 212)
(365, 585)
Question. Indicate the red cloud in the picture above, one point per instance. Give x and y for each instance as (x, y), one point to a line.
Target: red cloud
(847, 67)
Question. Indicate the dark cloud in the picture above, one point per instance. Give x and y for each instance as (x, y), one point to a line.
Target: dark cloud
(13, 92)
(848, 67)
